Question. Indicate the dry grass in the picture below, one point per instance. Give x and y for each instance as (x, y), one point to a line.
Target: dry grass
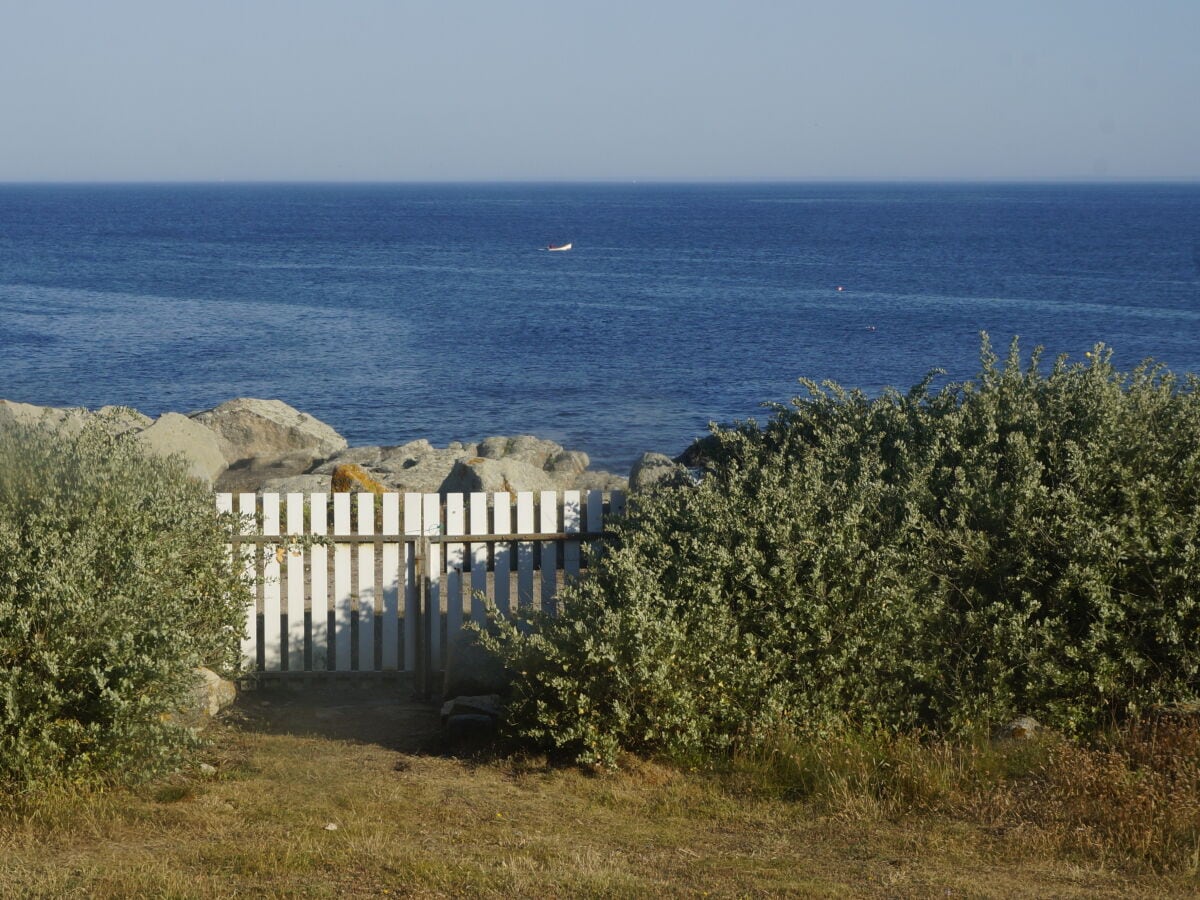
(1129, 803)
(412, 821)
(1133, 802)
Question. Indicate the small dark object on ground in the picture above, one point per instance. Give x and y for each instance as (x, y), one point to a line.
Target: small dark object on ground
(469, 727)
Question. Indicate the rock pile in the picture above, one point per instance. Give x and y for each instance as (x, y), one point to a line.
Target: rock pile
(268, 446)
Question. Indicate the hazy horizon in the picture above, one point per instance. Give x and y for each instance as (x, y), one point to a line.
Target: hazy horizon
(711, 182)
(376, 91)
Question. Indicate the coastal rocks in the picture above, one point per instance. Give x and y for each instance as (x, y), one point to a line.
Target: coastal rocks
(414, 453)
(700, 454)
(250, 429)
(655, 470)
(527, 463)
(113, 419)
(26, 414)
(567, 464)
(122, 419)
(299, 484)
(600, 480)
(265, 440)
(248, 445)
(368, 457)
(419, 466)
(176, 435)
(251, 474)
(170, 435)
(525, 448)
(480, 474)
(498, 463)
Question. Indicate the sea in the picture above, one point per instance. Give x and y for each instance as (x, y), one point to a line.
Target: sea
(403, 311)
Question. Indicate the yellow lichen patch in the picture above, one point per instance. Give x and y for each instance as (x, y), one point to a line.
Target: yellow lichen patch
(353, 478)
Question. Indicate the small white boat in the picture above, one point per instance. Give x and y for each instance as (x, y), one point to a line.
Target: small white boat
(554, 247)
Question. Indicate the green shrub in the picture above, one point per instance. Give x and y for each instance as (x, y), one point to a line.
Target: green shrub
(1021, 543)
(114, 584)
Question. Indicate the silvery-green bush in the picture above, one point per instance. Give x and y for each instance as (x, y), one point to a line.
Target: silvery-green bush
(114, 584)
(1025, 542)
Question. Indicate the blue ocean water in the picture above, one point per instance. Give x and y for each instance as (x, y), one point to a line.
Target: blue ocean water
(402, 311)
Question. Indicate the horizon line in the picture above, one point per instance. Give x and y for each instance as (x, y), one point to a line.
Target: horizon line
(989, 180)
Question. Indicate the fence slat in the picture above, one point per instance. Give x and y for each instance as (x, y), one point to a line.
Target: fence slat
(248, 506)
(318, 505)
(367, 591)
(571, 525)
(595, 513)
(479, 556)
(342, 594)
(524, 549)
(412, 590)
(295, 583)
(549, 524)
(390, 651)
(502, 556)
(272, 633)
(455, 524)
(431, 522)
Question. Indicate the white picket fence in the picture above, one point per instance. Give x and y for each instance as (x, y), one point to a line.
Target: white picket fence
(383, 587)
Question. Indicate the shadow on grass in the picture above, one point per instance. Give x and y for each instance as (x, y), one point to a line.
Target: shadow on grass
(384, 714)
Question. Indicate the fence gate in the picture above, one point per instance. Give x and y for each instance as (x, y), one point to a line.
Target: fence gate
(386, 582)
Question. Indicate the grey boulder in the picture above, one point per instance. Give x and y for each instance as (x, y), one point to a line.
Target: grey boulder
(252, 474)
(656, 470)
(176, 435)
(566, 464)
(298, 484)
(367, 457)
(478, 473)
(209, 695)
(1022, 728)
(526, 448)
(269, 429)
(417, 466)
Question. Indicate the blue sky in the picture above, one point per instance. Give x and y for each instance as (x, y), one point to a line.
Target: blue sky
(387, 90)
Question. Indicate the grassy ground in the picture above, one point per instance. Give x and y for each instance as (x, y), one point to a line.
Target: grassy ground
(352, 795)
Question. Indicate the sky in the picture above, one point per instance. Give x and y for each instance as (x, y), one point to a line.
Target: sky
(581, 90)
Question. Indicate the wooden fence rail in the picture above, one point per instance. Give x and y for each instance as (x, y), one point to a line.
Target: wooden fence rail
(387, 585)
